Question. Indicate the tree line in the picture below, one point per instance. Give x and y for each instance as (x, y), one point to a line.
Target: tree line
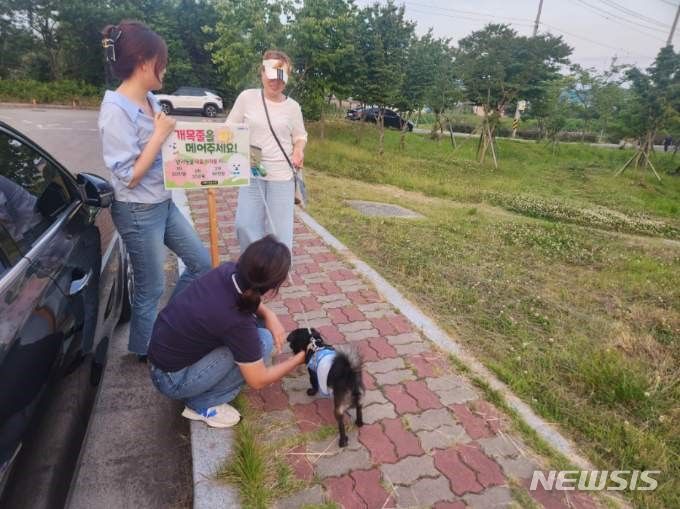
(371, 54)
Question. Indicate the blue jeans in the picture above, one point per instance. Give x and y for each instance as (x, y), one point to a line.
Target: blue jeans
(251, 217)
(210, 381)
(145, 228)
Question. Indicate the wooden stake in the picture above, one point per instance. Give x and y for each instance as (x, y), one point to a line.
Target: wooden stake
(493, 151)
(212, 217)
(625, 165)
(652, 166)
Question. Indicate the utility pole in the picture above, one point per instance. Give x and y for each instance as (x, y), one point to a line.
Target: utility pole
(538, 18)
(675, 23)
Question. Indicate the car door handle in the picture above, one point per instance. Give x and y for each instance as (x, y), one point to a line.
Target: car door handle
(77, 285)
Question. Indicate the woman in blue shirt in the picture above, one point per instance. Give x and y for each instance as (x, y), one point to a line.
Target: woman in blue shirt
(132, 130)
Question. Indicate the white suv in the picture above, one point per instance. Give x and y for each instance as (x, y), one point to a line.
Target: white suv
(191, 99)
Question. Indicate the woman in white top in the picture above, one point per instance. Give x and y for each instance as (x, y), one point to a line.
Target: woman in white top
(276, 184)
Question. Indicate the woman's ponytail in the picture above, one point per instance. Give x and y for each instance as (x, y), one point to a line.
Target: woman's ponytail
(262, 267)
(249, 301)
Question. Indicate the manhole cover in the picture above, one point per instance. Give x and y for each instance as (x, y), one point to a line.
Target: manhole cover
(376, 209)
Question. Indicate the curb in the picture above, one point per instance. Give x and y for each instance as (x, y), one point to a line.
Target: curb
(210, 447)
(40, 106)
(435, 334)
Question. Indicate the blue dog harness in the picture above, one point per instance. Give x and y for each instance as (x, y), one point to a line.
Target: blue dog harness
(320, 363)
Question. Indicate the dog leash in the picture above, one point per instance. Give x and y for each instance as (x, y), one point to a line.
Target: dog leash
(290, 277)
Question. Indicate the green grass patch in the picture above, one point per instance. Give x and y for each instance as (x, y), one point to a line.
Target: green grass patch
(576, 185)
(582, 323)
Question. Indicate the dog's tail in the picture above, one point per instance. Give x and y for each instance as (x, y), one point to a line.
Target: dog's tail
(350, 363)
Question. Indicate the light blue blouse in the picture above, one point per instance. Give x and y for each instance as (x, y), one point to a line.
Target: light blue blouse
(125, 130)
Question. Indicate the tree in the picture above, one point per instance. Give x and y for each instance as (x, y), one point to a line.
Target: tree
(497, 67)
(429, 79)
(654, 103)
(244, 30)
(384, 38)
(322, 37)
(40, 18)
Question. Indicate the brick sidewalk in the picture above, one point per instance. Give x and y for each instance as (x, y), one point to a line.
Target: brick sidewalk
(430, 439)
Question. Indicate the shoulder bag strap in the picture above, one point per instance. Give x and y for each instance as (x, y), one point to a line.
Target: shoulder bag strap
(266, 112)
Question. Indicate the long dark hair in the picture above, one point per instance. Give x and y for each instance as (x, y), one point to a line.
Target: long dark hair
(262, 267)
(135, 43)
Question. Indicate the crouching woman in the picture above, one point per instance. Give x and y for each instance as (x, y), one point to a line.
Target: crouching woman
(206, 343)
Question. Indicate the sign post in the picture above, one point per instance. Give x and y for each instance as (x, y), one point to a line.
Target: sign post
(200, 155)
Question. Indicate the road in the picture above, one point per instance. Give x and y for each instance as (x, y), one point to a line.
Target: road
(136, 452)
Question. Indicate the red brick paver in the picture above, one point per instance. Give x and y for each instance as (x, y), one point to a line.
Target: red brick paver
(410, 445)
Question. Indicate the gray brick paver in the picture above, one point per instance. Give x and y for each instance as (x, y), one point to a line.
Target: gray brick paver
(394, 377)
(424, 493)
(355, 326)
(342, 463)
(384, 365)
(497, 497)
(378, 411)
(430, 419)
(402, 339)
(410, 469)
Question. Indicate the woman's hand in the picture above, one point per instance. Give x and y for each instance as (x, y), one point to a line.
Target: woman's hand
(163, 125)
(298, 158)
(273, 324)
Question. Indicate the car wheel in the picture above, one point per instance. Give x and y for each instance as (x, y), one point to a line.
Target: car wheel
(166, 107)
(128, 290)
(210, 110)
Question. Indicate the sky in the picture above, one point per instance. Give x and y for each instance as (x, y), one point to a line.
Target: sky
(597, 30)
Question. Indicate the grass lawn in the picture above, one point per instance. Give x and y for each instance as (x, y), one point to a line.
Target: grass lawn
(563, 279)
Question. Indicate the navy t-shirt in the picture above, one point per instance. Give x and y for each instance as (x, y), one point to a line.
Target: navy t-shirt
(201, 318)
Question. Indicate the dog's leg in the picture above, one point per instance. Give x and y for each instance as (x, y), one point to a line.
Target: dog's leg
(314, 381)
(340, 417)
(360, 418)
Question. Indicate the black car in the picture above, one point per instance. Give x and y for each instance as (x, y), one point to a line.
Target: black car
(390, 118)
(64, 284)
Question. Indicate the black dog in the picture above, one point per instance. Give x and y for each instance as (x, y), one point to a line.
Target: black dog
(331, 371)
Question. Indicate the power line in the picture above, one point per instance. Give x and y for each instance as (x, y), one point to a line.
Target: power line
(617, 19)
(523, 23)
(635, 14)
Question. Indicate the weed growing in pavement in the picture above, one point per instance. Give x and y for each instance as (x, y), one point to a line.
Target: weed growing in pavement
(258, 466)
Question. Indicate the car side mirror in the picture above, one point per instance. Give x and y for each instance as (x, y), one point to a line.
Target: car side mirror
(95, 190)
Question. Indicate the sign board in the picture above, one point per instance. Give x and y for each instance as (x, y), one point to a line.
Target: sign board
(200, 155)
(521, 105)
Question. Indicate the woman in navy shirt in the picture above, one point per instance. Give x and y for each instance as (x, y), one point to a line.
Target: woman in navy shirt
(132, 130)
(206, 343)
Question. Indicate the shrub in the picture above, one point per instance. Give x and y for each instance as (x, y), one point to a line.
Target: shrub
(53, 92)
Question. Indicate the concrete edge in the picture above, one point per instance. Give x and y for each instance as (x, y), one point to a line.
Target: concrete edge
(434, 333)
(210, 447)
(39, 106)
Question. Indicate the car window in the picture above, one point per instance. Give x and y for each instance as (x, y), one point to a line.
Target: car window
(180, 91)
(33, 192)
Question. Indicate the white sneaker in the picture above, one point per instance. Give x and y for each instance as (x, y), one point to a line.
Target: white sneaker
(220, 416)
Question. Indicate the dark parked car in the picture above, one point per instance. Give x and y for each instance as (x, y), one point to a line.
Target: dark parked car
(64, 284)
(390, 118)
